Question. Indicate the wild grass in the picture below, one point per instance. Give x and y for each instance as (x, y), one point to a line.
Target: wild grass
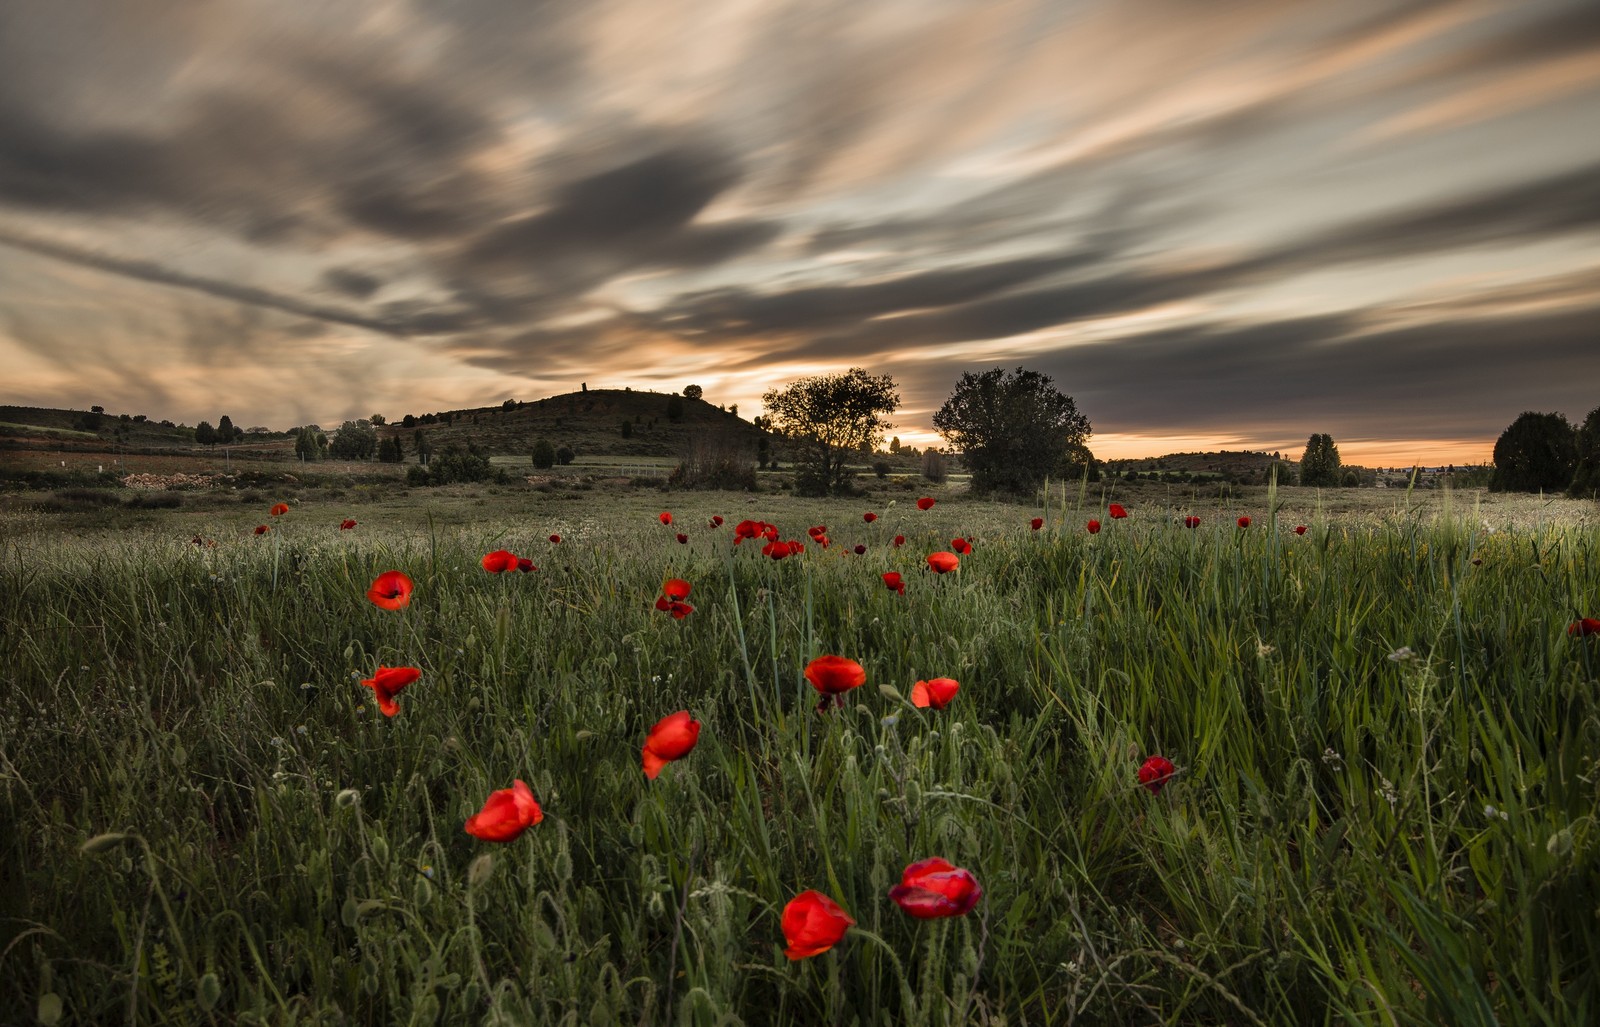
(1384, 811)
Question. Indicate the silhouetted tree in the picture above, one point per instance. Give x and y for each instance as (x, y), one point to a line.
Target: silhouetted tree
(544, 454)
(1586, 476)
(1319, 465)
(1536, 452)
(692, 392)
(1011, 429)
(355, 440)
(828, 417)
(565, 455)
(205, 434)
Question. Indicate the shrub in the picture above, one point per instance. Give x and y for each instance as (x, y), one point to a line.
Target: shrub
(934, 466)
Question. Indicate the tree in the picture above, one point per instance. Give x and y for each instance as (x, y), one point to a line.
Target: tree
(1586, 477)
(378, 420)
(827, 417)
(1536, 452)
(544, 454)
(565, 455)
(306, 444)
(419, 442)
(1319, 464)
(626, 428)
(693, 392)
(226, 432)
(355, 440)
(1011, 429)
(205, 434)
(674, 409)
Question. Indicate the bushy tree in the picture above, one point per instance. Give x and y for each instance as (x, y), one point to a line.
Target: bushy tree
(307, 444)
(1012, 429)
(1536, 452)
(455, 464)
(355, 440)
(1586, 477)
(1319, 464)
(827, 418)
(692, 392)
(565, 455)
(226, 432)
(419, 442)
(205, 434)
(934, 466)
(544, 454)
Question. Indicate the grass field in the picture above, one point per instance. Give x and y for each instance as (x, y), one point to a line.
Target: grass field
(1385, 739)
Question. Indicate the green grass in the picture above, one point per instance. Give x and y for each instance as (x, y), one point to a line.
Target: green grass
(1350, 839)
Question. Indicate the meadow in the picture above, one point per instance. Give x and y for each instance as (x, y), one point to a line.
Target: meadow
(1382, 809)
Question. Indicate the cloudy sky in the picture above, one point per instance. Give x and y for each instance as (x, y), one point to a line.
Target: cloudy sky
(1214, 223)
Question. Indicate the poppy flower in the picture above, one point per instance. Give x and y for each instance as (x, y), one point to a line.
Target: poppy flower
(1094, 527)
(499, 561)
(942, 562)
(894, 582)
(833, 676)
(1036, 523)
(1118, 511)
(676, 588)
(525, 565)
(925, 503)
(1155, 773)
(1584, 628)
(716, 520)
(860, 549)
(672, 606)
(683, 539)
(817, 530)
(777, 550)
(671, 739)
(506, 814)
(665, 518)
(262, 529)
(555, 540)
(961, 546)
(388, 683)
(813, 924)
(1191, 521)
(1299, 529)
(932, 888)
(869, 516)
(936, 693)
(279, 509)
(899, 540)
(390, 590)
(752, 530)
(1244, 522)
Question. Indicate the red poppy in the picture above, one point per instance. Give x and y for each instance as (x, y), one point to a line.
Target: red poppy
(894, 582)
(390, 590)
(525, 565)
(813, 924)
(665, 518)
(933, 888)
(672, 606)
(1155, 773)
(961, 546)
(1036, 523)
(899, 540)
(262, 529)
(197, 540)
(925, 503)
(1118, 512)
(716, 520)
(817, 530)
(860, 549)
(833, 676)
(869, 516)
(1299, 529)
(279, 509)
(676, 588)
(1244, 522)
(506, 814)
(1094, 527)
(778, 550)
(388, 683)
(752, 530)
(1191, 521)
(1584, 628)
(683, 539)
(671, 739)
(936, 693)
(499, 561)
(555, 540)
(942, 562)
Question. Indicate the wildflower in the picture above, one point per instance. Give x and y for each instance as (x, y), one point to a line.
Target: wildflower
(894, 582)
(899, 540)
(813, 924)
(961, 546)
(1584, 628)
(389, 682)
(833, 676)
(1244, 522)
(1093, 526)
(942, 562)
(555, 540)
(665, 517)
(262, 529)
(1191, 521)
(346, 524)
(499, 561)
(1401, 655)
(1299, 529)
(936, 692)
(778, 550)
(860, 550)
(676, 589)
(672, 606)
(682, 539)
(1036, 523)
(1155, 773)
(925, 503)
(525, 565)
(390, 590)
(279, 509)
(817, 530)
(933, 888)
(753, 530)
(1118, 512)
(716, 520)
(505, 814)
(869, 516)
(671, 739)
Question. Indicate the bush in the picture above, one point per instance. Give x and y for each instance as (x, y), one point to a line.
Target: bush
(881, 468)
(454, 464)
(934, 466)
(565, 455)
(544, 454)
(714, 462)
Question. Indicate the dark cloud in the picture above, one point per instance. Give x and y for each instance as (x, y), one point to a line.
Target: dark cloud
(356, 284)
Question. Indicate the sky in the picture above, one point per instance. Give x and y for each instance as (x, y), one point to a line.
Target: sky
(1215, 224)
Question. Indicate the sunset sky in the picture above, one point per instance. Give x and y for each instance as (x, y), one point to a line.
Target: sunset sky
(1217, 225)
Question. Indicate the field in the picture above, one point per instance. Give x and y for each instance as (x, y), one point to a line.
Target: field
(1383, 809)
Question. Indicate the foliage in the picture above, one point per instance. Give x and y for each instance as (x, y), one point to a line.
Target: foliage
(1537, 452)
(354, 440)
(565, 455)
(310, 444)
(935, 467)
(1586, 476)
(1012, 429)
(205, 434)
(675, 409)
(226, 432)
(715, 460)
(452, 465)
(391, 450)
(829, 417)
(544, 455)
(626, 429)
(1319, 464)
(693, 392)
